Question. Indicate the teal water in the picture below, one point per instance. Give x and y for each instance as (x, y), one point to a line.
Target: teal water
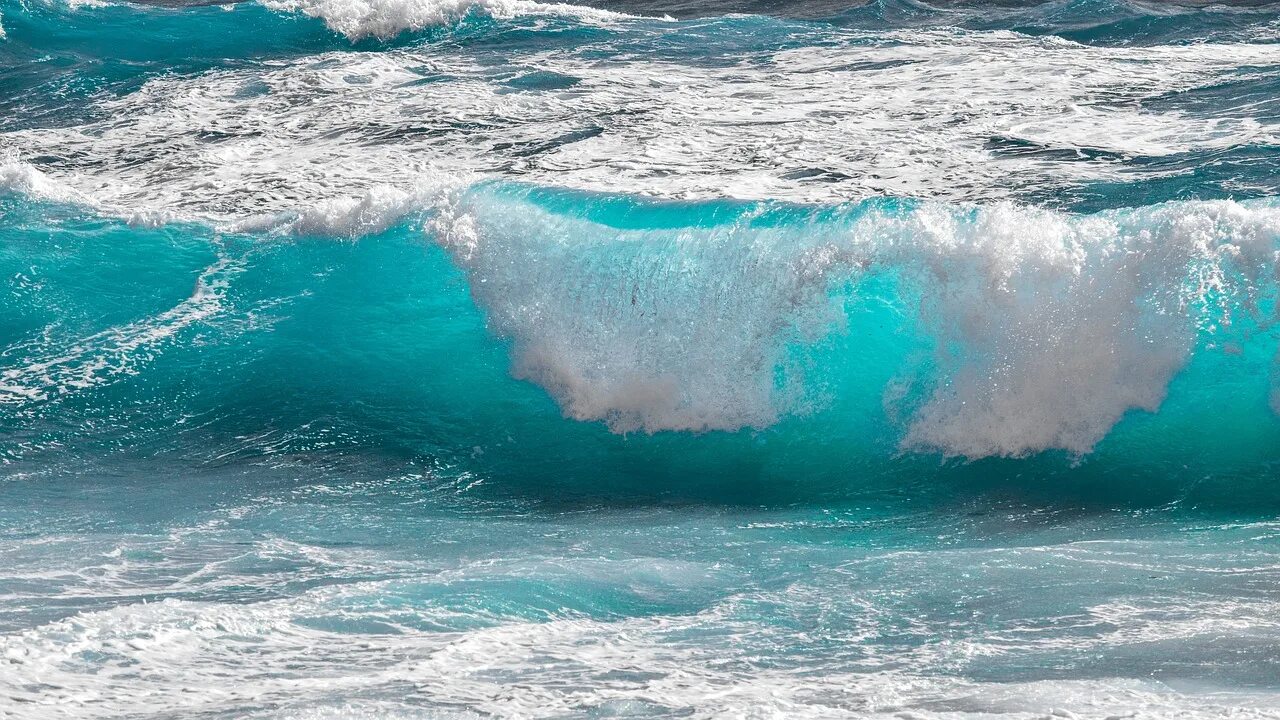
(519, 360)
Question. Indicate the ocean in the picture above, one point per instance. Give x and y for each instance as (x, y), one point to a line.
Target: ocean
(652, 358)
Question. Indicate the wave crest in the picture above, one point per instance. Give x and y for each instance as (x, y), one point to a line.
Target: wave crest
(1046, 328)
(386, 19)
(21, 178)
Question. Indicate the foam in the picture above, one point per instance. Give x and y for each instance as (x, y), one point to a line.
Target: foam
(148, 657)
(25, 179)
(385, 19)
(1049, 327)
(856, 115)
(378, 209)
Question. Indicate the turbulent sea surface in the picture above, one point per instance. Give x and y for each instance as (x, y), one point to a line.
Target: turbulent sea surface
(658, 358)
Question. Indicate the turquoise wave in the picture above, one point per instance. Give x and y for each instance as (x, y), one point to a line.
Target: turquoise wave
(569, 344)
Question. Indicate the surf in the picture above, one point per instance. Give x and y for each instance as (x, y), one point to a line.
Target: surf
(883, 335)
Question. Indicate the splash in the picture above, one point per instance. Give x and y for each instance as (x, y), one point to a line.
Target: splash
(385, 19)
(25, 179)
(1048, 328)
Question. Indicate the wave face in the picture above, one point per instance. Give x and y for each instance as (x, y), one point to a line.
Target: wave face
(423, 358)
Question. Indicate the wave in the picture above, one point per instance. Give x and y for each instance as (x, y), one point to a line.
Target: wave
(975, 331)
(386, 19)
(1097, 22)
(1046, 328)
(25, 179)
(267, 27)
(246, 26)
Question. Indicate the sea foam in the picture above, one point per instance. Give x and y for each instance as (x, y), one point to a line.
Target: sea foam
(385, 19)
(25, 179)
(848, 118)
(1048, 327)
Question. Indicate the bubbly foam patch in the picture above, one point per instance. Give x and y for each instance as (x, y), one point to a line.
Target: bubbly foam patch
(147, 657)
(1049, 327)
(385, 19)
(949, 115)
(24, 179)
(644, 329)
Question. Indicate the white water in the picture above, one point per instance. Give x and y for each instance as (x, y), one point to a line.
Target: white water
(1049, 327)
(833, 632)
(905, 113)
(385, 19)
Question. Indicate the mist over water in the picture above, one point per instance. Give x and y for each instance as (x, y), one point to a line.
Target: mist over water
(440, 358)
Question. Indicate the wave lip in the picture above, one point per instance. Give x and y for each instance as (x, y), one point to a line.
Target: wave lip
(24, 179)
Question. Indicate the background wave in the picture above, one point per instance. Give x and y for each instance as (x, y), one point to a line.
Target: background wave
(238, 111)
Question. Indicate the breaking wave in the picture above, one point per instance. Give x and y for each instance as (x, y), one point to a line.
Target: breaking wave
(993, 330)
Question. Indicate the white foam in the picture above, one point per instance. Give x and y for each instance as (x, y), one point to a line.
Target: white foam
(73, 364)
(1050, 327)
(20, 177)
(178, 657)
(514, 617)
(376, 210)
(902, 113)
(386, 19)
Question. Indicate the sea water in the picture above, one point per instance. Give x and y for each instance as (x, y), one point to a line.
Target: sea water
(476, 358)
